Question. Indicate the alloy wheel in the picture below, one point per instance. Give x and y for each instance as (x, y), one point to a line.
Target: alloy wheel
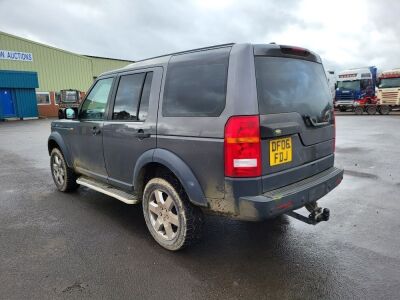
(164, 215)
(58, 170)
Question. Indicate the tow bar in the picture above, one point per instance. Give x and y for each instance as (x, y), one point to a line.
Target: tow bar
(317, 214)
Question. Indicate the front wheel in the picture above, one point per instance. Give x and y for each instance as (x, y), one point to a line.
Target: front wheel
(171, 219)
(63, 176)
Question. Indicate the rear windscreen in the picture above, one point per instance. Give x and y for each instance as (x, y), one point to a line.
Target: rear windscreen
(292, 85)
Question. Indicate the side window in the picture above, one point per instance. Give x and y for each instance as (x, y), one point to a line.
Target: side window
(144, 102)
(132, 99)
(366, 83)
(43, 98)
(196, 84)
(128, 96)
(95, 103)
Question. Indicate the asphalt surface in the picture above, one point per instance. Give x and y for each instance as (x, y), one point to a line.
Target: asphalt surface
(88, 245)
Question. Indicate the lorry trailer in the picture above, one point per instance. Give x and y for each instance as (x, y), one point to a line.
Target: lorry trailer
(69, 99)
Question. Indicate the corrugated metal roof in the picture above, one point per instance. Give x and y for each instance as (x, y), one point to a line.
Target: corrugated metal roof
(110, 58)
(18, 79)
(57, 69)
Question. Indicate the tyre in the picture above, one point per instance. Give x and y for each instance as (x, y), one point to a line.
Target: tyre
(384, 110)
(371, 109)
(172, 220)
(342, 109)
(358, 110)
(63, 176)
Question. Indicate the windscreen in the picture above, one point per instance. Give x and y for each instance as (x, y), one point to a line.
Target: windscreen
(349, 85)
(71, 96)
(389, 83)
(292, 85)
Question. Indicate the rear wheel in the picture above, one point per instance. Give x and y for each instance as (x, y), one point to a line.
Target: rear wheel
(172, 220)
(358, 110)
(342, 109)
(371, 109)
(63, 176)
(384, 110)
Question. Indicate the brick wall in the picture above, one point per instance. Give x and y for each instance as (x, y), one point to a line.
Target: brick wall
(48, 110)
(51, 110)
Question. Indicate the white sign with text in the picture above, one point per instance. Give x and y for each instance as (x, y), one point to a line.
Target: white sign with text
(16, 55)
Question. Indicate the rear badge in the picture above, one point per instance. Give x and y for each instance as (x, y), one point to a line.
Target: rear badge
(278, 131)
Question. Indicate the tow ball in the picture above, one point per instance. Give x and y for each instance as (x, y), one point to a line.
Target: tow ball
(317, 214)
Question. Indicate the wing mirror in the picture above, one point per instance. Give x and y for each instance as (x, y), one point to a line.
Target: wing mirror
(70, 114)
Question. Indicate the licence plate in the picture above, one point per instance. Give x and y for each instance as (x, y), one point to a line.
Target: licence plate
(280, 151)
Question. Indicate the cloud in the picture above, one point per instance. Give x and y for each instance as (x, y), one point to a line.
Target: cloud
(348, 34)
(345, 33)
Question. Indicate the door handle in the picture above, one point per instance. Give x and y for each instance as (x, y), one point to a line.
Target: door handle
(315, 123)
(95, 130)
(140, 134)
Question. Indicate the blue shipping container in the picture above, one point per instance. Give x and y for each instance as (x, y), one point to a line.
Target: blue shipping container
(17, 94)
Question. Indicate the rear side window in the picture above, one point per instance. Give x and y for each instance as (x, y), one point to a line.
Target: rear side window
(128, 97)
(144, 103)
(196, 84)
(132, 98)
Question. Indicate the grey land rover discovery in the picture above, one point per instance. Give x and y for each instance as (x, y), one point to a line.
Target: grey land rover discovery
(242, 130)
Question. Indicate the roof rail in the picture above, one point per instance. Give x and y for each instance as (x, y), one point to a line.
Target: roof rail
(188, 51)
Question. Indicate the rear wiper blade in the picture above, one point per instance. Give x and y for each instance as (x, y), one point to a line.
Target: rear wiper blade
(314, 122)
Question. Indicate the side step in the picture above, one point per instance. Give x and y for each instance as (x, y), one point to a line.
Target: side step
(107, 189)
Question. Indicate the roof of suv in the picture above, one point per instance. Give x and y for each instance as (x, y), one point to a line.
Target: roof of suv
(259, 49)
(162, 59)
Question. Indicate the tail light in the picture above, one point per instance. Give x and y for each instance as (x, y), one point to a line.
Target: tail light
(242, 147)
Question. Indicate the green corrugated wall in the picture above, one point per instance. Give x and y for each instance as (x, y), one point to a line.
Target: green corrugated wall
(57, 69)
(101, 65)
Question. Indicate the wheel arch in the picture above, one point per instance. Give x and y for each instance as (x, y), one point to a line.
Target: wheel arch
(161, 159)
(56, 141)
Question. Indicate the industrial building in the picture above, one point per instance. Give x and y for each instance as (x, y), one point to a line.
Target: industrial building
(32, 75)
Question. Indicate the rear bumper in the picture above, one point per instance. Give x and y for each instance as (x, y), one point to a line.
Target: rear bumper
(288, 198)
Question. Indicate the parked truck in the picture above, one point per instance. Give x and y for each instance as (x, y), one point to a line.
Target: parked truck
(355, 90)
(68, 99)
(388, 91)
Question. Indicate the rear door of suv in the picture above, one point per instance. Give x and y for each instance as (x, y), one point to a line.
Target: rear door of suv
(130, 129)
(296, 115)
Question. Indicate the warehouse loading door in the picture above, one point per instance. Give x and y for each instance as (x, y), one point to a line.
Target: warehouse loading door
(7, 103)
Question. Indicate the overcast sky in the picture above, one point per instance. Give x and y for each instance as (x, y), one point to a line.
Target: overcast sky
(349, 33)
